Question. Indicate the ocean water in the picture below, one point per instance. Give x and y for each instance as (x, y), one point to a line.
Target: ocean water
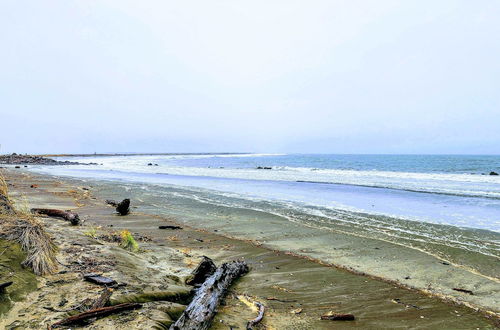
(454, 190)
(385, 215)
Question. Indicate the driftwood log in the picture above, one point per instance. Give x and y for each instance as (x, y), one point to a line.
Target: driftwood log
(338, 317)
(66, 215)
(204, 269)
(96, 313)
(169, 227)
(123, 207)
(200, 312)
(464, 291)
(259, 317)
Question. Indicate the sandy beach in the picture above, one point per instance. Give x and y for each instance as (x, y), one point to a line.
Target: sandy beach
(191, 165)
(295, 290)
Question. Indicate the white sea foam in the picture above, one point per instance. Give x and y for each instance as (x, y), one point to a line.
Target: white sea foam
(280, 183)
(445, 183)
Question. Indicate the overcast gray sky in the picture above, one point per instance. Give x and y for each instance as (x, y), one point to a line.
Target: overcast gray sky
(265, 76)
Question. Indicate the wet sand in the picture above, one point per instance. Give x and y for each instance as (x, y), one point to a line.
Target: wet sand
(295, 290)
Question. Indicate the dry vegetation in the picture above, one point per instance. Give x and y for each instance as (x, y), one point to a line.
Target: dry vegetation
(23, 228)
(4, 189)
(5, 202)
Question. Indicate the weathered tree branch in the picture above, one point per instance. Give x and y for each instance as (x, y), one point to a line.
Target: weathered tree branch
(259, 317)
(66, 215)
(96, 313)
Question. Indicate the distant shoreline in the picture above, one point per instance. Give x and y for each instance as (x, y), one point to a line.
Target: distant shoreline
(146, 154)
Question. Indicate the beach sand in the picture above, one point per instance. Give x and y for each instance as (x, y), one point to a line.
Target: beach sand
(295, 290)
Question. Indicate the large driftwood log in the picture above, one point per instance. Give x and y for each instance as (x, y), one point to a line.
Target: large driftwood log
(96, 313)
(200, 312)
(66, 215)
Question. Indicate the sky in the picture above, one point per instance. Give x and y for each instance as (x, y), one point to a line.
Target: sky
(413, 76)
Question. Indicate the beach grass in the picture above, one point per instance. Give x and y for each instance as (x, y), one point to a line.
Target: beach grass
(4, 189)
(128, 242)
(20, 226)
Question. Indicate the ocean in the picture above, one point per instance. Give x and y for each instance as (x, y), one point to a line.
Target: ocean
(453, 190)
(383, 215)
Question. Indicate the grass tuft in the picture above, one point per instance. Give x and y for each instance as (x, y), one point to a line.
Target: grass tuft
(5, 202)
(23, 207)
(92, 232)
(4, 189)
(30, 233)
(22, 227)
(128, 242)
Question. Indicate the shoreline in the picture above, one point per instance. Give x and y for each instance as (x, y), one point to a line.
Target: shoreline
(427, 263)
(210, 243)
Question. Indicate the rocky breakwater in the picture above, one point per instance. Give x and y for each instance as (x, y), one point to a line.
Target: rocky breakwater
(15, 159)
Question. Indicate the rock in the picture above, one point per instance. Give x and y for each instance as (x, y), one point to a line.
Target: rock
(150, 164)
(29, 159)
(264, 168)
(493, 173)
